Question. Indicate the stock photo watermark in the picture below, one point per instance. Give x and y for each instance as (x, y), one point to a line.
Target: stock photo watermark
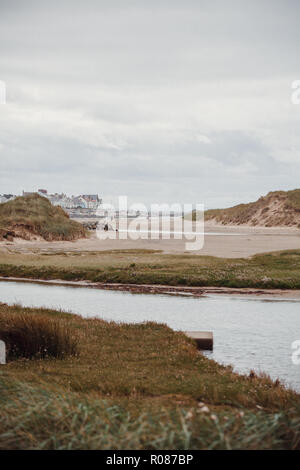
(295, 97)
(163, 221)
(2, 92)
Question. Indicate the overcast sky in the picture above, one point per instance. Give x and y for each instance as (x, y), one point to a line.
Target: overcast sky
(161, 100)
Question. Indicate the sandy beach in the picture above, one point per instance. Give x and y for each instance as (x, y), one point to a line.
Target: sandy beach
(220, 241)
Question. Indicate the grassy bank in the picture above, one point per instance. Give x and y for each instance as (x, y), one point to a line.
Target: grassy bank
(33, 215)
(272, 270)
(139, 386)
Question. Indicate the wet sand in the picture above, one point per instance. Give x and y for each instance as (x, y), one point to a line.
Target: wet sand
(267, 294)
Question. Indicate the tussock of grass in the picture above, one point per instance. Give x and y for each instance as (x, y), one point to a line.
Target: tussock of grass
(35, 215)
(29, 336)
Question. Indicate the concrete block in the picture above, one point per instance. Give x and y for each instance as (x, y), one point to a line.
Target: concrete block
(204, 339)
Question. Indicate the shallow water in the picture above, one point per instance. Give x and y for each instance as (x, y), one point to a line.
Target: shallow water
(249, 333)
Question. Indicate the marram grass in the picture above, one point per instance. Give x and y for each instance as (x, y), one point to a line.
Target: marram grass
(34, 418)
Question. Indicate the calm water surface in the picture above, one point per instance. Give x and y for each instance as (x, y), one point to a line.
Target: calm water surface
(248, 333)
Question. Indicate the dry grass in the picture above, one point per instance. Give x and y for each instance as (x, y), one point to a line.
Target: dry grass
(36, 336)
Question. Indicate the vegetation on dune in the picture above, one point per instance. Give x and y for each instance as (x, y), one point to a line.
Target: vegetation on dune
(293, 200)
(138, 386)
(34, 215)
(277, 208)
(272, 270)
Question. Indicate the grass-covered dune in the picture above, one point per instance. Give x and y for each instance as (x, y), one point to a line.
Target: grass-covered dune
(272, 270)
(33, 215)
(137, 386)
(277, 208)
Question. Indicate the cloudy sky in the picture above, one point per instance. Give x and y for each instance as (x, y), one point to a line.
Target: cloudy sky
(161, 100)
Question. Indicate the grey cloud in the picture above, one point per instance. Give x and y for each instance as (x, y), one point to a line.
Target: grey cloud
(161, 99)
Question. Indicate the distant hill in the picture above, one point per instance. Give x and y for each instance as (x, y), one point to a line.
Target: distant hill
(278, 208)
(34, 216)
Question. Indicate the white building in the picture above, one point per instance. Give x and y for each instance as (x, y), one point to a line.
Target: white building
(80, 202)
(92, 200)
(85, 201)
(7, 197)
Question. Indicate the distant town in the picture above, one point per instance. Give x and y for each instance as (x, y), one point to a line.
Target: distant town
(88, 205)
(84, 205)
(84, 201)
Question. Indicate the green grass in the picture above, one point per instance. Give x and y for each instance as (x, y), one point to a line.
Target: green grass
(138, 386)
(271, 270)
(35, 215)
